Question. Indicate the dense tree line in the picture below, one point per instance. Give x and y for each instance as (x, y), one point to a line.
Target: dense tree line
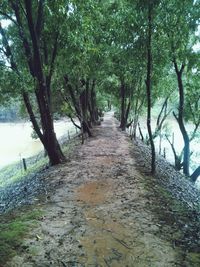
(78, 57)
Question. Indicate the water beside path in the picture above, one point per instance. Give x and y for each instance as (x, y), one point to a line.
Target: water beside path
(172, 128)
(16, 141)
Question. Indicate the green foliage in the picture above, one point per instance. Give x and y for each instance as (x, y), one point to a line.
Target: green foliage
(192, 108)
(13, 228)
(107, 41)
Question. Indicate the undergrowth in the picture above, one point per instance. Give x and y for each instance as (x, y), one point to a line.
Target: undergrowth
(13, 228)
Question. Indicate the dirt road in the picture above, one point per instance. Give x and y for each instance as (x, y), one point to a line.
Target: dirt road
(97, 215)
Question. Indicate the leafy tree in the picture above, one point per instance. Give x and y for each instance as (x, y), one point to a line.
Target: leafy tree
(182, 16)
(35, 64)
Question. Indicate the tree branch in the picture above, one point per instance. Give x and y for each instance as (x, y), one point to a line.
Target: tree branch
(32, 116)
(39, 22)
(27, 49)
(36, 50)
(8, 17)
(8, 51)
(195, 175)
(175, 116)
(53, 57)
(177, 159)
(182, 68)
(79, 127)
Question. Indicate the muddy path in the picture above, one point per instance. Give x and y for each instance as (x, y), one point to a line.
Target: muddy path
(98, 213)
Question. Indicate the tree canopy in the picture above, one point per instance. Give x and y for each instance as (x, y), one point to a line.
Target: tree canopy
(79, 57)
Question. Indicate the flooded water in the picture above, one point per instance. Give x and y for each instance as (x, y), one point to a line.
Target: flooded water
(16, 141)
(172, 128)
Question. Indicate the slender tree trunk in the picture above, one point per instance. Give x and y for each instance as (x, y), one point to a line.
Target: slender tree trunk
(93, 102)
(80, 107)
(149, 89)
(186, 152)
(32, 116)
(123, 106)
(109, 105)
(195, 175)
(127, 112)
(84, 110)
(177, 158)
(140, 131)
(161, 118)
(135, 121)
(137, 108)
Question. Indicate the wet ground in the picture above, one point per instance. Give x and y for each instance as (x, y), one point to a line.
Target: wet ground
(98, 214)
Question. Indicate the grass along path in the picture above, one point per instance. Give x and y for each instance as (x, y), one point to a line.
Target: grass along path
(98, 214)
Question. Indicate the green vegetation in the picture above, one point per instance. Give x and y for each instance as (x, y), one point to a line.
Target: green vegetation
(79, 58)
(15, 172)
(13, 228)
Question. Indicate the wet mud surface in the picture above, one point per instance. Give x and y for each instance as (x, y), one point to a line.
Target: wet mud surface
(98, 214)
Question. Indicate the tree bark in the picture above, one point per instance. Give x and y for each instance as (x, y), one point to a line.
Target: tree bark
(149, 89)
(186, 152)
(80, 106)
(177, 159)
(84, 109)
(93, 104)
(161, 118)
(123, 106)
(32, 116)
(140, 131)
(195, 175)
(50, 141)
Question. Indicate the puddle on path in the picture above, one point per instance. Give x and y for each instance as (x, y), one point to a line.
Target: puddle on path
(104, 244)
(107, 240)
(94, 193)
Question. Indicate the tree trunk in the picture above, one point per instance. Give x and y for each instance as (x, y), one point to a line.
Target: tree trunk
(195, 175)
(32, 116)
(149, 88)
(50, 141)
(161, 119)
(140, 131)
(47, 136)
(136, 116)
(84, 110)
(186, 152)
(123, 106)
(177, 158)
(94, 111)
(127, 112)
(80, 107)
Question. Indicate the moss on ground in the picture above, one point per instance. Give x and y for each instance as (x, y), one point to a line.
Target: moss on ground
(13, 228)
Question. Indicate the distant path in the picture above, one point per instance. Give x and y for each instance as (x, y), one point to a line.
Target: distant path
(97, 215)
